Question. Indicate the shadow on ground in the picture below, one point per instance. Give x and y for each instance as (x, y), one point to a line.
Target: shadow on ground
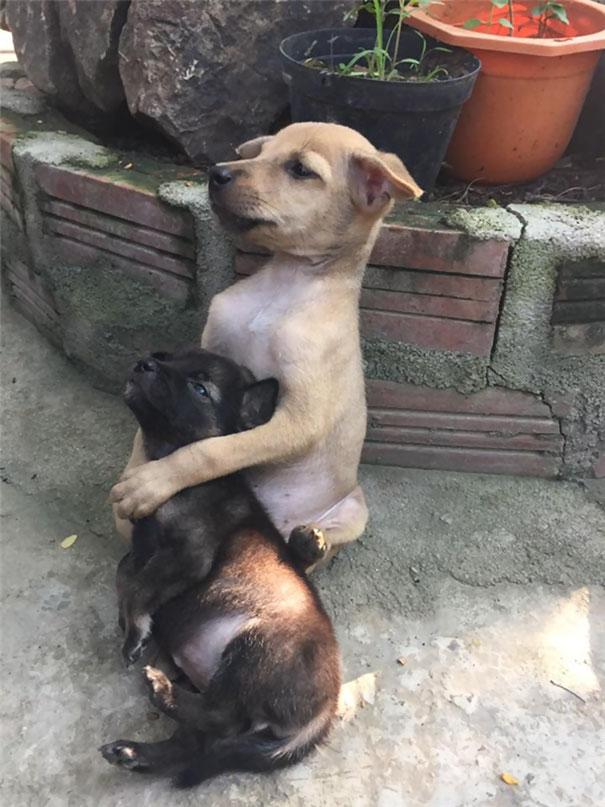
(486, 589)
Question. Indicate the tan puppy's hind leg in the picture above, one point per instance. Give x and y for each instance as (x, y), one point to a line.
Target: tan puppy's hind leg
(317, 543)
(346, 521)
(137, 457)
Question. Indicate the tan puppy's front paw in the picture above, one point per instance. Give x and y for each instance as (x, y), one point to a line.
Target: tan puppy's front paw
(142, 490)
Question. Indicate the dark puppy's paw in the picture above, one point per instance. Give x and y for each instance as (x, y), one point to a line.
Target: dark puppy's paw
(309, 544)
(133, 647)
(131, 652)
(160, 688)
(124, 754)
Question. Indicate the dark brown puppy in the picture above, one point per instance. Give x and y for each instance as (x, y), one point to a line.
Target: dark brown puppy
(230, 601)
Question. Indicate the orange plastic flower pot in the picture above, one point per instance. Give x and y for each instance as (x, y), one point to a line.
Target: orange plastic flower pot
(530, 91)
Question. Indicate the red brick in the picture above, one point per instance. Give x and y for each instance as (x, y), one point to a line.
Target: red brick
(429, 305)
(489, 401)
(584, 288)
(114, 197)
(397, 279)
(573, 270)
(31, 312)
(422, 282)
(82, 254)
(121, 228)
(7, 203)
(439, 251)
(119, 246)
(429, 332)
(29, 288)
(7, 138)
(505, 440)
(578, 312)
(509, 424)
(579, 339)
(518, 463)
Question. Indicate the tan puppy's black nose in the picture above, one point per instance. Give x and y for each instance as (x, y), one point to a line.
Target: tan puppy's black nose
(220, 175)
(146, 366)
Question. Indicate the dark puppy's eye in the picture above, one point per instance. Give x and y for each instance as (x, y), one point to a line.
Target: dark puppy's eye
(298, 170)
(201, 390)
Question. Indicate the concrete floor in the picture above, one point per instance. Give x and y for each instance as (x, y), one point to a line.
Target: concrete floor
(489, 587)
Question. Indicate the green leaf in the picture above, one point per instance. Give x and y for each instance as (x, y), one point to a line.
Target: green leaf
(506, 23)
(536, 11)
(560, 13)
(470, 24)
(499, 3)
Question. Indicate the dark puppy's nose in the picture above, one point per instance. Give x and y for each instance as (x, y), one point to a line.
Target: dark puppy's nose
(220, 175)
(146, 366)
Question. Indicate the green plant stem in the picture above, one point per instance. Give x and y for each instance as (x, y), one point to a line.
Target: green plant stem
(511, 16)
(379, 38)
(399, 26)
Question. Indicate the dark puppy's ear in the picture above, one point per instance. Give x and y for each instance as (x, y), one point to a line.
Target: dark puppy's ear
(258, 403)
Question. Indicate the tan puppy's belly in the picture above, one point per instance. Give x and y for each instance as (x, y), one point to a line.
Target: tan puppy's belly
(296, 495)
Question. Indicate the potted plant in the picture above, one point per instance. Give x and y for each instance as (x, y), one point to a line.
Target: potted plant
(538, 58)
(402, 90)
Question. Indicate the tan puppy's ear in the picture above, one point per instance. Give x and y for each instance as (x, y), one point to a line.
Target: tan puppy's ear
(378, 178)
(252, 148)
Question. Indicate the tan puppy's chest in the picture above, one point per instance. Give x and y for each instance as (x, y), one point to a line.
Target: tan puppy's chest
(254, 322)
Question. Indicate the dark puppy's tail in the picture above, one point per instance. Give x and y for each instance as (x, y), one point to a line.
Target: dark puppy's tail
(261, 752)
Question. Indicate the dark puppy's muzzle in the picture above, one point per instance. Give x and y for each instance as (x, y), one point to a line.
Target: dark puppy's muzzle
(145, 366)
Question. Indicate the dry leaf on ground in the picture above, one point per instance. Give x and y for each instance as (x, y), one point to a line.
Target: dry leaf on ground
(69, 541)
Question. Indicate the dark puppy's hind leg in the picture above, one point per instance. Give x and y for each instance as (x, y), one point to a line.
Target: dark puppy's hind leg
(190, 708)
(165, 757)
(308, 544)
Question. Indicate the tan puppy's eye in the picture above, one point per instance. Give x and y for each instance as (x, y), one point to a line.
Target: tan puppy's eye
(298, 170)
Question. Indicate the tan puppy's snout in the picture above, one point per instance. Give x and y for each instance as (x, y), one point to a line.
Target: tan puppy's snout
(219, 176)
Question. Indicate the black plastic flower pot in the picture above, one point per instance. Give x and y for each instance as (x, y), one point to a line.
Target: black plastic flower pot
(414, 119)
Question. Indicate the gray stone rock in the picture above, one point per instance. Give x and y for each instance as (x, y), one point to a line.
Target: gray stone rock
(46, 59)
(93, 31)
(207, 73)
(3, 22)
(69, 50)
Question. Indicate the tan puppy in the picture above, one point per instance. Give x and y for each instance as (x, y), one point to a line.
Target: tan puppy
(314, 195)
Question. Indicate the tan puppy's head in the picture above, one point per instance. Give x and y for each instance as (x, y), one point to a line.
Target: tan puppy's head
(314, 189)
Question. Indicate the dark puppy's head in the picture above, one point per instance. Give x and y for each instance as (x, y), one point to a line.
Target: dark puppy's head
(179, 398)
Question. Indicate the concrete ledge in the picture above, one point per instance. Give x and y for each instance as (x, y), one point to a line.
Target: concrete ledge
(483, 330)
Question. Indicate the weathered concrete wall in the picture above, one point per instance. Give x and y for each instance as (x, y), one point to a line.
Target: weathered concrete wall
(113, 255)
(526, 356)
(91, 252)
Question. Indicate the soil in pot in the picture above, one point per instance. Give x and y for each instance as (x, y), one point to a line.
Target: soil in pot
(412, 118)
(575, 179)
